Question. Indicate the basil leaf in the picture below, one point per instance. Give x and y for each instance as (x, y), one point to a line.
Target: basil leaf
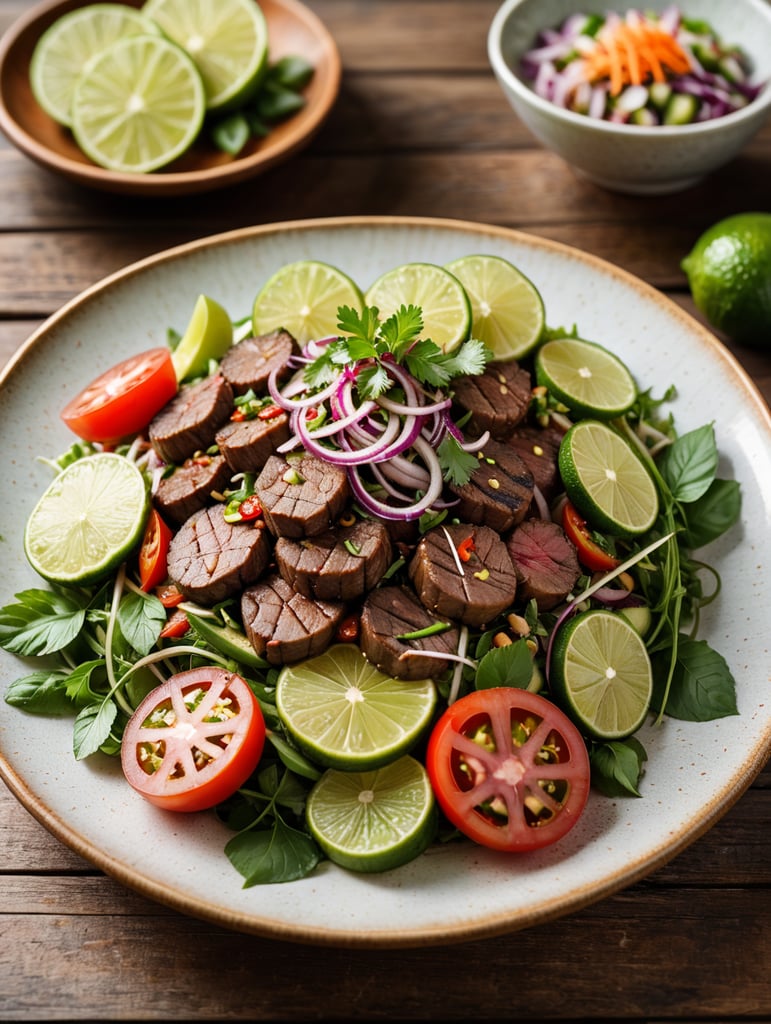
(291, 72)
(79, 683)
(40, 693)
(141, 618)
(43, 622)
(92, 728)
(617, 766)
(702, 689)
(231, 134)
(690, 463)
(279, 854)
(506, 666)
(712, 514)
(293, 759)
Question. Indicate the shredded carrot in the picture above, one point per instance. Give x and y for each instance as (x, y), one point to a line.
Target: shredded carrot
(634, 52)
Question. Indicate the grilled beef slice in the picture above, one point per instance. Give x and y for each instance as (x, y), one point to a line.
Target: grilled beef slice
(301, 497)
(480, 589)
(339, 565)
(538, 448)
(188, 423)
(499, 492)
(248, 444)
(249, 363)
(545, 562)
(190, 487)
(284, 626)
(391, 611)
(211, 560)
(497, 399)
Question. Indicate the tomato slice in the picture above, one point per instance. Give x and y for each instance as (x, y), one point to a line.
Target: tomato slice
(153, 551)
(590, 554)
(123, 399)
(193, 740)
(508, 768)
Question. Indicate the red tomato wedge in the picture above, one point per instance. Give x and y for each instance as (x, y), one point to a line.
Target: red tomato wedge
(590, 554)
(122, 400)
(508, 768)
(193, 740)
(153, 551)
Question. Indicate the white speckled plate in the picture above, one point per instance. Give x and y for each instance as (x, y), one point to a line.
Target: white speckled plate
(458, 892)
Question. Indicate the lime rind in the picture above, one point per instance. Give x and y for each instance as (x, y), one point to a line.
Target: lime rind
(88, 520)
(373, 821)
(303, 298)
(507, 310)
(208, 336)
(601, 672)
(586, 377)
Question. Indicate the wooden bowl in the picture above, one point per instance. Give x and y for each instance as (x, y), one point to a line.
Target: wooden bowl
(292, 30)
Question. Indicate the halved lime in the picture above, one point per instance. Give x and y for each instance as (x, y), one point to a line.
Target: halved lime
(65, 48)
(606, 480)
(303, 298)
(227, 39)
(507, 311)
(442, 298)
(373, 821)
(208, 336)
(88, 520)
(601, 674)
(587, 378)
(138, 105)
(344, 713)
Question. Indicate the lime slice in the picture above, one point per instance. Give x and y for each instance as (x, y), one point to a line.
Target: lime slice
(346, 714)
(507, 311)
(227, 39)
(440, 295)
(303, 298)
(601, 674)
(606, 480)
(138, 105)
(373, 821)
(88, 520)
(65, 48)
(208, 336)
(587, 378)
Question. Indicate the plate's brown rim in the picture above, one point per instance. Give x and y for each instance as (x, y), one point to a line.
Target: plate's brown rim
(490, 925)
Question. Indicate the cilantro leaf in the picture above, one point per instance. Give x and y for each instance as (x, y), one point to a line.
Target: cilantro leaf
(401, 329)
(457, 464)
(423, 363)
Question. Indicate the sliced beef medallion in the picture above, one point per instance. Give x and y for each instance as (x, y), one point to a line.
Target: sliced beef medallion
(190, 487)
(390, 612)
(499, 492)
(284, 626)
(301, 497)
(538, 447)
(247, 445)
(497, 399)
(211, 560)
(248, 364)
(545, 562)
(191, 419)
(339, 565)
(463, 572)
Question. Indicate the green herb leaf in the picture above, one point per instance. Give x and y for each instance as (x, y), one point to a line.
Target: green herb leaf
(92, 728)
(689, 464)
(278, 854)
(141, 618)
(711, 515)
(43, 622)
(505, 666)
(79, 682)
(40, 693)
(231, 133)
(458, 465)
(292, 72)
(292, 758)
(702, 688)
(618, 766)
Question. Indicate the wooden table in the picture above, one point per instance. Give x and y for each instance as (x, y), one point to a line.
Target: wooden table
(420, 128)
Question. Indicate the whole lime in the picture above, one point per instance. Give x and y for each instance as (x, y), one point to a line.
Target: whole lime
(729, 273)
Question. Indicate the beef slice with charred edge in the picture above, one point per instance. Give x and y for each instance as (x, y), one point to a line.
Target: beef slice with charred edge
(211, 560)
(539, 447)
(283, 625)
(307, 508)
(190, 487)
(324, 567)
(499, 492)
(477, 592)
(497, 399)
(188, 423)
(545, 562)
(247, 445)
(391, 611)
(248, 364)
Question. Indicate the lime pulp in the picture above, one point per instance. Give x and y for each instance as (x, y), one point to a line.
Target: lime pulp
(303, 299)
(588, 378)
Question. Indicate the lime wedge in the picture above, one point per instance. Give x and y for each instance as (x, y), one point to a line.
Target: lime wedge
(227, 39)
(88, 520)
(346, 714)
(208, 336)
(507, 311)
(373, 821)
(65, 48)
(587, 378)
(601, 674)
(606, 480)
(138, 105)
(303, 298)
(440, 295)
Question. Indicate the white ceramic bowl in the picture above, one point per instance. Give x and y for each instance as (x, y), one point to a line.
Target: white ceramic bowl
(630, 158)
